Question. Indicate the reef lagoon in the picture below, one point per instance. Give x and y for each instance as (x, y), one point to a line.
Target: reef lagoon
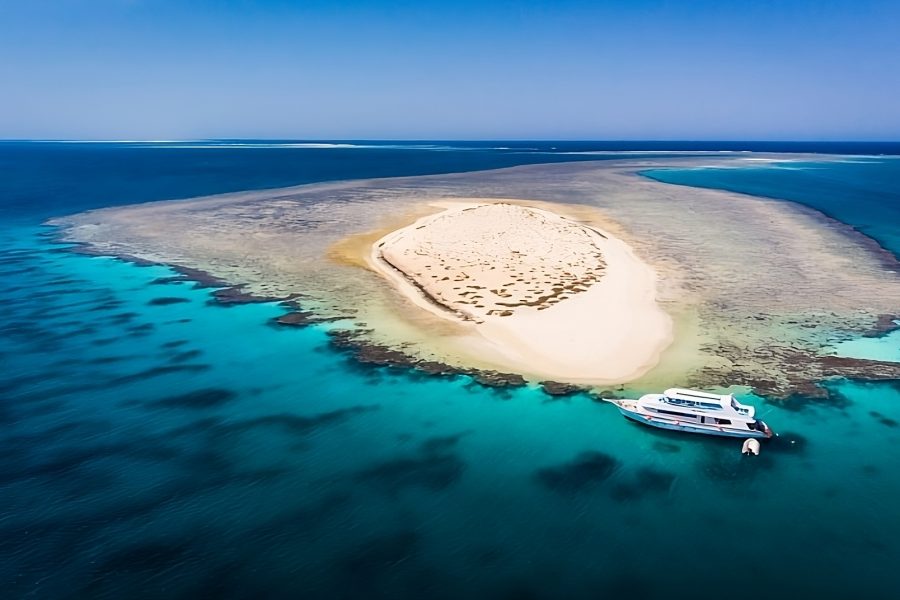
(157, 442)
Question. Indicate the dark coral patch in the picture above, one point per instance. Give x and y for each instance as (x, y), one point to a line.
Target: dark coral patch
(298, 424)
(666, 447)
(555, 388)
(122, 318)
(829, 396)
(647, 480)
(306, 520)
(108, 360)
(886, 421)
(142, 329)
(870, 470)
(378, 562)
(167, 300)
(185, 356)
(442, 443)
(169, 280)
(433, 467)
(196, 400)
(585, 471)
(150, 556)
(434, 472)
(733, 469)
(174, 344)
(159, 371)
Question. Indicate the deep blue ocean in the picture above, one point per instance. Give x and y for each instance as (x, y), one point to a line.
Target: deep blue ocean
(184, 449)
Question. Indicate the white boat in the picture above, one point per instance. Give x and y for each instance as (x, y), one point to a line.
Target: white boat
(697, 412)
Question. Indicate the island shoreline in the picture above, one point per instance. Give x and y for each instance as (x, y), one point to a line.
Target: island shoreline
(825, 367)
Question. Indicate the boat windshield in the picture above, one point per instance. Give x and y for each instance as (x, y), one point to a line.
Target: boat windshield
(740, 409)
(692, 403)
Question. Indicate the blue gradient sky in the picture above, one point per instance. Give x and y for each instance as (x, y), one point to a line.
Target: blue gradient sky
(638, 69)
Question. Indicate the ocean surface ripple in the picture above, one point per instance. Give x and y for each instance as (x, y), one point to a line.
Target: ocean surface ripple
(156, 444)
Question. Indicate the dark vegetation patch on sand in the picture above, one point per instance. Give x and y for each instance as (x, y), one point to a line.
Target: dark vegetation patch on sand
(297, 317)
(374, 354)
(884, 325)
(802, 375)
(236, 295)
(556, 388)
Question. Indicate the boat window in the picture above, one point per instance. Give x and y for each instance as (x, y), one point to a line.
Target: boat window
(680, 401)
(723, 421)
(692, 403)
(677, 414)
(739, 409)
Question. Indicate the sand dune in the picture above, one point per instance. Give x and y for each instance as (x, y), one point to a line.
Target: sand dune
(541, 293)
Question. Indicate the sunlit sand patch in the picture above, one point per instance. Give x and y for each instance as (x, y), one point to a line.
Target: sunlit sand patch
(539, 293)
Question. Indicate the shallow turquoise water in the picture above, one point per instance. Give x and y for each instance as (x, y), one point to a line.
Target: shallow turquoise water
(296, 463)
(156, 445)
(862, 191)
(886, 347)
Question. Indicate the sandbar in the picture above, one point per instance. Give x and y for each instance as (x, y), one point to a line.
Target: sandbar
(538, 292)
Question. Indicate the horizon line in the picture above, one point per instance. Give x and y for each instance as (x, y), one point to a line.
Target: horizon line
(415, 140)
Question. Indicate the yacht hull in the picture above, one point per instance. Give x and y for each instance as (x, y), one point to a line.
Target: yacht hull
(689, 427)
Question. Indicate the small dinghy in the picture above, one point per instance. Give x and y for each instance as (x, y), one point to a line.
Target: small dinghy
(751, 446)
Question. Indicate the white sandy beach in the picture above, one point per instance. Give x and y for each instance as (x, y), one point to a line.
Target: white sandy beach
(540, 294)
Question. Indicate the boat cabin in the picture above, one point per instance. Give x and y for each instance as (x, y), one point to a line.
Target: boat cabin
(702, 401)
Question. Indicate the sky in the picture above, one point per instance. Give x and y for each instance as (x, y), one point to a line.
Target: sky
(527, 69)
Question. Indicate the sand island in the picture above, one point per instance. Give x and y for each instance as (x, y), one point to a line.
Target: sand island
(577, 273)
(542, 293)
